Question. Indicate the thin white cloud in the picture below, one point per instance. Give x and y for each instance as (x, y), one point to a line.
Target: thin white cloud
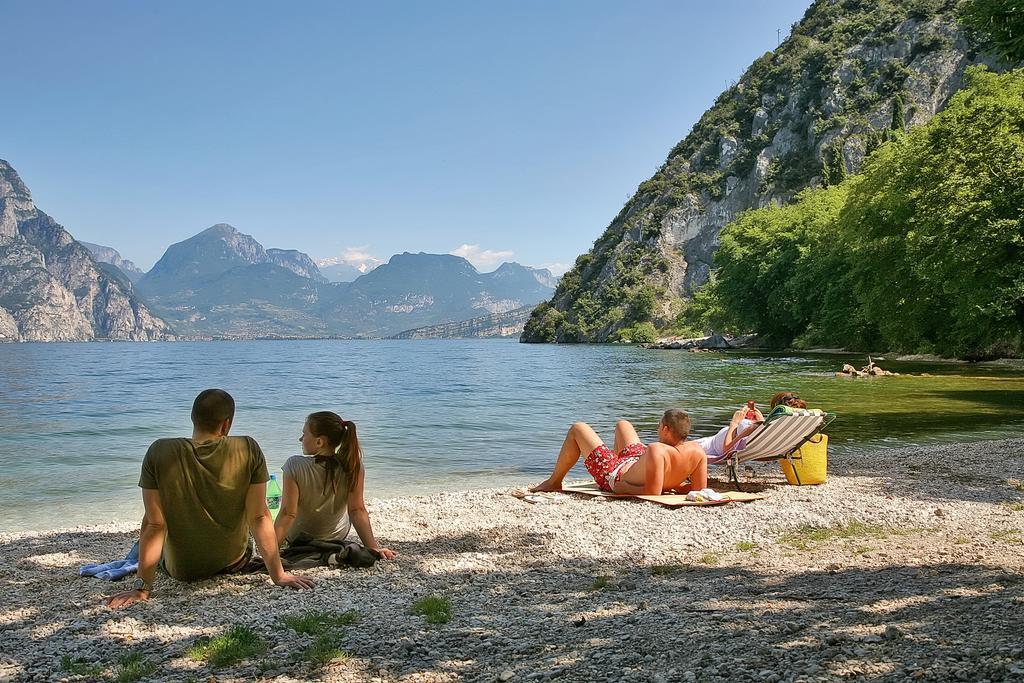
(482, 259)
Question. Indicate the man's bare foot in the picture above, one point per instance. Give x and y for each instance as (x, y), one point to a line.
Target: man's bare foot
(546, 485)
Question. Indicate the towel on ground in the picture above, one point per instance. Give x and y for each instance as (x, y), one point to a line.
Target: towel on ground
(116, 570)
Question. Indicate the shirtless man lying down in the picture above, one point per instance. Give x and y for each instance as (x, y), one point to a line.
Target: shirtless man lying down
(632, 467)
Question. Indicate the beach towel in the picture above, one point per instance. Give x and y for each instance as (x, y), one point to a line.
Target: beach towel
(671, 500)
(116, 570)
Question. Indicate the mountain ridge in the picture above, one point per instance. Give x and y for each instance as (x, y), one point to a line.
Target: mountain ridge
(224, 283)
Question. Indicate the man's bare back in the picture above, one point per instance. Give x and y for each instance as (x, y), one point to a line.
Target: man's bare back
(665, 467)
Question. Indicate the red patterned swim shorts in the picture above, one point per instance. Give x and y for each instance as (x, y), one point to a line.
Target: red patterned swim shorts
(602, 461)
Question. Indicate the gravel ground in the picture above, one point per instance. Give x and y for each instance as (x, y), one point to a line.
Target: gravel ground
(913, 572)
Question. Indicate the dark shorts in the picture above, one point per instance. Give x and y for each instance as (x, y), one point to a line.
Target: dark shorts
(238, 566)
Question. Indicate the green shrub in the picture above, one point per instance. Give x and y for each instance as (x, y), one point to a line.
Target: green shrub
(240, 642)
(133, 667)
(436, 608)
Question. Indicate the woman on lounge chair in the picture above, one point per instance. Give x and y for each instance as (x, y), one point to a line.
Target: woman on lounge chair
(730, 437)
(632, 467)
(322, 496)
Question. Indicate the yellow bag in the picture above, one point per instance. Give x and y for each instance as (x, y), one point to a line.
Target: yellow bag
(810, 462)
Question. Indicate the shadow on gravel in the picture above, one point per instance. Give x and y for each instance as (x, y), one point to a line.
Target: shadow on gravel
(885, 624)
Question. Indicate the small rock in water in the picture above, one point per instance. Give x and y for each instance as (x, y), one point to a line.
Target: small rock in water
(506, 675)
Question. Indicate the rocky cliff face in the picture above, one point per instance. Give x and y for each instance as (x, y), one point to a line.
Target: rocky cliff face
(51, 288)
(804, 115)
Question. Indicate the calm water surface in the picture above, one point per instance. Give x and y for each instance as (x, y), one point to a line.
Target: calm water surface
(76, 419)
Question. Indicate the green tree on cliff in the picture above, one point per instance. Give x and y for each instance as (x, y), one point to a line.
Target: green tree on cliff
(1001, 22)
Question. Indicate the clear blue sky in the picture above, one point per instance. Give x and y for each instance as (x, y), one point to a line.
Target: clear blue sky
(518, 126)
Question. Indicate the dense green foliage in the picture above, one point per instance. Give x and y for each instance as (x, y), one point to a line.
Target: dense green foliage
(923, 251)
(608, 293)
(1001, 22)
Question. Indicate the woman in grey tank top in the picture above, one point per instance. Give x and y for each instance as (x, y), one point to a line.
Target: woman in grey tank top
(323, 494)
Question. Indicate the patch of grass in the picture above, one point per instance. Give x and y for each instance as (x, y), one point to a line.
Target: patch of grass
(668, 569)
(862, 550)
(229, 648)
(326, 648)
(710, 559)
(77, 666)
(1016, 484)
(802, 537)
(436, 608)
(1016, 506)
(315, 623)
(600, 583)
(746, 546)
(962, 541)
(1012, 535)
(133, 667)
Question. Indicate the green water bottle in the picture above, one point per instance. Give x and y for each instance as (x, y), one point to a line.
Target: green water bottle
(273, 496)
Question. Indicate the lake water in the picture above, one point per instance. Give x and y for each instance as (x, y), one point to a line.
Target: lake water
(76, 419)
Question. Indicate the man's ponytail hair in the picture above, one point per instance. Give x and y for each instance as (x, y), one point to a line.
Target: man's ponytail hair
(347, 457)
(211, 409)
(678, 422)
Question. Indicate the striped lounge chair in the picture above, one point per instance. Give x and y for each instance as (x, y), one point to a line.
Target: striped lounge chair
(782, 433)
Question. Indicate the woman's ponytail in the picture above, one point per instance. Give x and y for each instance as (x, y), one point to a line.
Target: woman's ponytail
(347, 458)
(350, 454)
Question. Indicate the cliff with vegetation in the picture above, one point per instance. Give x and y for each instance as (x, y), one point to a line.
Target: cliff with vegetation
(851, 75)
(923, 251)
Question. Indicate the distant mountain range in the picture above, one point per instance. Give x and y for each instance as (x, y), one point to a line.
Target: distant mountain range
(222, 283)
(414, 290)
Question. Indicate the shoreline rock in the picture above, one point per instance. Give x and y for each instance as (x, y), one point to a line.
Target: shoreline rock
(869, 370)
(711, 342)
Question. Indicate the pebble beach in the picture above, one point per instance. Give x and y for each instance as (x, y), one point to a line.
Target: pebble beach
(907, 565)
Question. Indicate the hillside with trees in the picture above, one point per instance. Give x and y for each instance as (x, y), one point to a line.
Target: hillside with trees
(840, 91)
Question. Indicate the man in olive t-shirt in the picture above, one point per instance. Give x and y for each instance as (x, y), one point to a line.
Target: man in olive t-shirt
(203, 496)
(207, 531)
